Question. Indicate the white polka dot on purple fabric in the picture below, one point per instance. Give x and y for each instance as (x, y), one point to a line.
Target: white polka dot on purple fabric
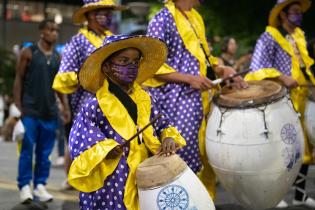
(172, 97)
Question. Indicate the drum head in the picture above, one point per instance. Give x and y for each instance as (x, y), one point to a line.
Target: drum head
(257, 94)
(159, 170)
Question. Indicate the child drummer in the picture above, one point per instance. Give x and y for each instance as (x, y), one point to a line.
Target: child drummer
(103, 167)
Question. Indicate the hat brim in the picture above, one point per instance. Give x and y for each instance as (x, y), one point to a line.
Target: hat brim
(273, 17)
(79, 15)
(154, 53)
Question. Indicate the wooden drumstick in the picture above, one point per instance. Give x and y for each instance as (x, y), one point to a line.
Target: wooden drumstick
(219, 81)
(143, 129)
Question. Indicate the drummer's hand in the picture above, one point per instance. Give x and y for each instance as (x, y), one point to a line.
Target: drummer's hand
(289, 82)
(168, 147)
(199, 82)
(115, 153)
(238, 82)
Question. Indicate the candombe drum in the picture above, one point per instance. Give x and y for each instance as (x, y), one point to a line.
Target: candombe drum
(309, 116)
(168, 183)
(255, 144)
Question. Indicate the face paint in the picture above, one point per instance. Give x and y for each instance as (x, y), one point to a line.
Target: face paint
(296, 19)
(126, 73)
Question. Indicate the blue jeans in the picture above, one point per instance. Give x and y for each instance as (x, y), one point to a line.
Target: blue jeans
(41, 133)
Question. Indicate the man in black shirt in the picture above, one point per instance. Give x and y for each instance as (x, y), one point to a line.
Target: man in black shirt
(35, 98)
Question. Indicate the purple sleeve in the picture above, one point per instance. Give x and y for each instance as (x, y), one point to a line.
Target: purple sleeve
(157, 27)
(85, 131)
(70, 57)
(264, 53)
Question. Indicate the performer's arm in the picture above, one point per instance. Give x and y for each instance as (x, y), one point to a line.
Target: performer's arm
(21, 67)
(196, 82)
(65, 107)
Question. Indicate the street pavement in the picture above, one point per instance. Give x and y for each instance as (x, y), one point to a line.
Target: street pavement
(68, 200)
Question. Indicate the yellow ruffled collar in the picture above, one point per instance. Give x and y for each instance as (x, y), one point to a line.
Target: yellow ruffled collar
(94, 39)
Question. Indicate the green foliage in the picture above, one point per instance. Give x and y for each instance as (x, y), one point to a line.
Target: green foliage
(7, 71)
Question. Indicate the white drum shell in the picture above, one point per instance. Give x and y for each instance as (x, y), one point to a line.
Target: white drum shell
(187, 185)
(254, 168)
(309, 120)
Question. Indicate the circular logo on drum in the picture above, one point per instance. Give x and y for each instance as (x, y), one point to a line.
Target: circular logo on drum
(288, 134)
(173, 197)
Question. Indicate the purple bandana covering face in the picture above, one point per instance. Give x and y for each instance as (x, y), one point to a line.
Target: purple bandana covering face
(126, 73)
(296, 19)
(104, 20)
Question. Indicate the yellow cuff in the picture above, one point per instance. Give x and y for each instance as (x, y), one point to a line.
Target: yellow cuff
(263, 74)
(66, 82)
(172, 132)
(165, 69)
(89, 170)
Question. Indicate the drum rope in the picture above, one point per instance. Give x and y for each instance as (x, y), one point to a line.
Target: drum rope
(263, 111)
(219, 130)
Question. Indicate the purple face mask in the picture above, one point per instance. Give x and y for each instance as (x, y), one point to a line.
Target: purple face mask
(202, 1)
(296, 19)
(127, 73)
(104, 21)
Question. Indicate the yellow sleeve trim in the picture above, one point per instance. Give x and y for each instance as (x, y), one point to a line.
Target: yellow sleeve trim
(172, 132)
(66, 82)
(165, 69)
(263, 74)
(89, 170)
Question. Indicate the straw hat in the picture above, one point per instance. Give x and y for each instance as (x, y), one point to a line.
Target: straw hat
(89, 5)
(154, 53)
(281, 4)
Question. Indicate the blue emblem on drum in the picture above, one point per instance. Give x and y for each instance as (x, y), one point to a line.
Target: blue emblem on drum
(288, 134)
(173, 197)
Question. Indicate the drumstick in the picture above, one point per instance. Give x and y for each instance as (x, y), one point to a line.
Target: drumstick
(143, 129)
(219, 81)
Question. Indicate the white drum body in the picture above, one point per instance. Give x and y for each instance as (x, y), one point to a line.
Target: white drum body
(185, 192)
(309, 120)
(256, 154)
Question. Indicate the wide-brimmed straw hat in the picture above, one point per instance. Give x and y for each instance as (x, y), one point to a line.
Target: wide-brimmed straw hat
(281, 4)
(89, 5)
(154, 53)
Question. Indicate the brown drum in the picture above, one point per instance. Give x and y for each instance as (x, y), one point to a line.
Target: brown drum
(258, 93)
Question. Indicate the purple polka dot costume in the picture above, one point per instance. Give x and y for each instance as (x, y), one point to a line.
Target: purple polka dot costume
(182, 104)
(92, 127)
(269, 54)
(75, 53)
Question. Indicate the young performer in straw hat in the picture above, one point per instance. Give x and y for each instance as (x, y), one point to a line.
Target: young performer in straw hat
(102, 169)
(181, 85)
(97, 16)
(281, 54)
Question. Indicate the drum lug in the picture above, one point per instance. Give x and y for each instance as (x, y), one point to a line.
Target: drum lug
(219, 132)
(266, 133)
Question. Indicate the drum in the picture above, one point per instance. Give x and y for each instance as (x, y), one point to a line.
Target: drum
(168, 183)
(255, 144)
(309, 117)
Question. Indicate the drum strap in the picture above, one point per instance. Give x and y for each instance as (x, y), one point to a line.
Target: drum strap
(126, 101)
